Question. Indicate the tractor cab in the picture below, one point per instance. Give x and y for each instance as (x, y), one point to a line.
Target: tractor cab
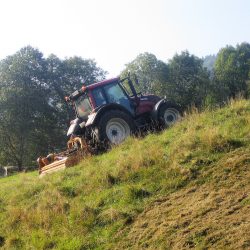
(96, 104)
(112, 92)
(90, 98)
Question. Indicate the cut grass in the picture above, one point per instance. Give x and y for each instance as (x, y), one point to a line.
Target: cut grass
(187, 187)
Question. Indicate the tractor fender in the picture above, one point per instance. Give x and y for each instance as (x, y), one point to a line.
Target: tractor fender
(156, 108)
(94, 118)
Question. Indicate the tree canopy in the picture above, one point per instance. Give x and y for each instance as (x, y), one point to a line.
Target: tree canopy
(152, 73)
(189, 80)
(232, 69)
(33, 113)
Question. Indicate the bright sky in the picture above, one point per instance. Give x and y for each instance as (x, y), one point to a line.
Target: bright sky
(114, 32)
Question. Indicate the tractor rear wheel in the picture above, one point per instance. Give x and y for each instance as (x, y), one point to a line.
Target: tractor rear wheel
(113, 128)
(169, 114)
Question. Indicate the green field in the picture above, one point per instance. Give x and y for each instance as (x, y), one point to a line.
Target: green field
(188, 187)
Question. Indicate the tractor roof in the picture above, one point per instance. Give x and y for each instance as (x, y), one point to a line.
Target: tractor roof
(79, 92)
(97, 84)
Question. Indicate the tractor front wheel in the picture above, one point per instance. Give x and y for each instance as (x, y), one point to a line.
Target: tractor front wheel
(114, 127)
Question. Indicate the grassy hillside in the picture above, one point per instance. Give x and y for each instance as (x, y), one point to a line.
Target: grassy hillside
(188, 187)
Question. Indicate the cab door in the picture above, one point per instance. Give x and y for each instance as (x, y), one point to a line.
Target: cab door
(116, 94)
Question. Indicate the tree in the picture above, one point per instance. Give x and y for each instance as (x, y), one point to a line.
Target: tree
(189, 81)
(27, 120)
(33, 112)
(152, 73)
(232, 69)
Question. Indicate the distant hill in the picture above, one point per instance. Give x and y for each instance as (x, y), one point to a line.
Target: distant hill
(185, 188)
(209, 61)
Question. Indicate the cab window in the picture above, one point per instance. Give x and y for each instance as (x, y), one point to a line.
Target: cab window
(98, 97)
(115, 94)
(83, 107)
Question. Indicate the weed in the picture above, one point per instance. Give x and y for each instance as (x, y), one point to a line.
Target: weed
(136, 193)
(68, 191)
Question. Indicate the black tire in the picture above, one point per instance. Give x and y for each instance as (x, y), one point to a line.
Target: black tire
(113, 128)
(169, 113)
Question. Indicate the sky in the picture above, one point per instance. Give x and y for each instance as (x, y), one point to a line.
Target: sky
(114, 32)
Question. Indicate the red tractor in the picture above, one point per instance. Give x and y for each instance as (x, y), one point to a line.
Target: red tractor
(107, 114)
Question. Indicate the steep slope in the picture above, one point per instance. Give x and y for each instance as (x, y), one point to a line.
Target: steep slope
(213, 215)
(187, 187)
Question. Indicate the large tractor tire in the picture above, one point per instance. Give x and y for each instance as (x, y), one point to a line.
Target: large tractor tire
(113, 128)
(169, 113)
